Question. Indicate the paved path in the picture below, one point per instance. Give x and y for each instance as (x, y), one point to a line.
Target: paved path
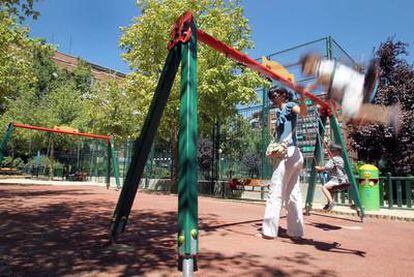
(62, 230)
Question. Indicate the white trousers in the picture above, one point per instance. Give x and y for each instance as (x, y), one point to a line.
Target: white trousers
(285, 189)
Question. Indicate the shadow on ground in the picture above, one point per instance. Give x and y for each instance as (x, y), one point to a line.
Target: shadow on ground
(66, 233)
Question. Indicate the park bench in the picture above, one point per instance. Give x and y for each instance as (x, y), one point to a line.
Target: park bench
(8, 171)
(237, 186)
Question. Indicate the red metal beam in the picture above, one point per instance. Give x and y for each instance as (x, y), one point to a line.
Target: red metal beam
(61, 131)
(255, 65)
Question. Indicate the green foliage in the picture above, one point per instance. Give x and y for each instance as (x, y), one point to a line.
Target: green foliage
(18, 163)
(239, 138)
(252, 162)
(8, 161)
(46, 165)
(11, 162)
(112, 111)
(159, 172)
(54, 96)
(45, 70)
(15, 58)
(83, 79)
(20, 9)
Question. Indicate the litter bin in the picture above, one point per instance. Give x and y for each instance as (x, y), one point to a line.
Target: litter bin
(369, 187)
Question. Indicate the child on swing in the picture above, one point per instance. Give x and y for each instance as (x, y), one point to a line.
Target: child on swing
(353, 90)
(335, 169)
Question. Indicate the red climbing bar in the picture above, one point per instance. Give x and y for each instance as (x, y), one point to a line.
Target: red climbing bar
(60, 131)
(253, 64)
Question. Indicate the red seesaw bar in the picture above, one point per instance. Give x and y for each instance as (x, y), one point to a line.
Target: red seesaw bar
(255, 65)
(60, 131)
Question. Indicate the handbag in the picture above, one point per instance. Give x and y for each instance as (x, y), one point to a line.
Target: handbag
(276, 150)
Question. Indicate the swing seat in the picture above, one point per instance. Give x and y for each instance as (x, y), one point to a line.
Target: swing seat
(340, 188)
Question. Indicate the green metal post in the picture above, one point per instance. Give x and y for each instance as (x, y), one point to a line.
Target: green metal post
(266, 170)
(336, 129)
(390, 193)
(115, 163)
(150, 167)
(318, 154)
(408, 191)
(126, 150)
(108, 165)
(399, 193)
(5, 140)
(329, 47)
(187, 149)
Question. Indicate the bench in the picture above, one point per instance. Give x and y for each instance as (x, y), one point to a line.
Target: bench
(8, 171)
(245, 182)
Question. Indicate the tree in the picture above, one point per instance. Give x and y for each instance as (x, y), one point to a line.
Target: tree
(112, 110)
(252, 162)
(220, 84)
(15, 58)
(375, 143)
(19, 9)
(15, 48)
(46, 72)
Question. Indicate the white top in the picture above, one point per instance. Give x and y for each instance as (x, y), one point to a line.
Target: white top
(346, 80)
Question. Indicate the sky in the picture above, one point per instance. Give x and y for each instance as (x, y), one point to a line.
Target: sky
(91, 28)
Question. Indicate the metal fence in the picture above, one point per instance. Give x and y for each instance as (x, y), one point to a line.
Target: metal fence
(394, 193)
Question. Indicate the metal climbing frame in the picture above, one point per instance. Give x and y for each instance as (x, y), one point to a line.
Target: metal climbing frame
(112, 158)
(183, 48)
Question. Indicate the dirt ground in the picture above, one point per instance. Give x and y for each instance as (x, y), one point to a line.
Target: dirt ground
(63, 231)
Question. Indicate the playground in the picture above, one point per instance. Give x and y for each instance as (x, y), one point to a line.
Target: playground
(61, 230)
(205, 159)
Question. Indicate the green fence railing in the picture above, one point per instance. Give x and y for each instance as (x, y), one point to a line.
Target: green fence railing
(395, 193)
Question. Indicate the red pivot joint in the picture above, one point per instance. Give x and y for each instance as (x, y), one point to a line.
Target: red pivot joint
(181, 30)
(324, 111)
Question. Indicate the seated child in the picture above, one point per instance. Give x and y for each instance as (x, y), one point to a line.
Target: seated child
(352, 90)
(335, 169)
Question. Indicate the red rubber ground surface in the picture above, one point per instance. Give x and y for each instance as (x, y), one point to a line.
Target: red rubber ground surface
(57, 230)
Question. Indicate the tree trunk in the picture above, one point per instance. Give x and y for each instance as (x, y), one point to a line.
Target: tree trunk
(174, 176)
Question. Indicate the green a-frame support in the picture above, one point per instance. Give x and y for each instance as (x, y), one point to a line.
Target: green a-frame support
(318, 154)
(183, 48)
(184, 51)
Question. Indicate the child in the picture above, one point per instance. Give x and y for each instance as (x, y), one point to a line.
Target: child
(337, 176)
(352, 90)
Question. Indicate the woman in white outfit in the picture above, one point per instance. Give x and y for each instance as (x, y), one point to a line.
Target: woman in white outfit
(284, 187)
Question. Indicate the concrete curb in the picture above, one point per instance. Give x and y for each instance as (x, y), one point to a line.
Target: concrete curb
(334, 212)
(367, 215)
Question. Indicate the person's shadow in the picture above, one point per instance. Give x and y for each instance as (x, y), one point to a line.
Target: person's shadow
(334, 247)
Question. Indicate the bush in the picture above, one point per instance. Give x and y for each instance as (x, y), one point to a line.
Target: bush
(18, 163)
(44, 162)
(7, 162)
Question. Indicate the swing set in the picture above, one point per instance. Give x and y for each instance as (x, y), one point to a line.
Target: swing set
(183, 48)
(112, 160)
